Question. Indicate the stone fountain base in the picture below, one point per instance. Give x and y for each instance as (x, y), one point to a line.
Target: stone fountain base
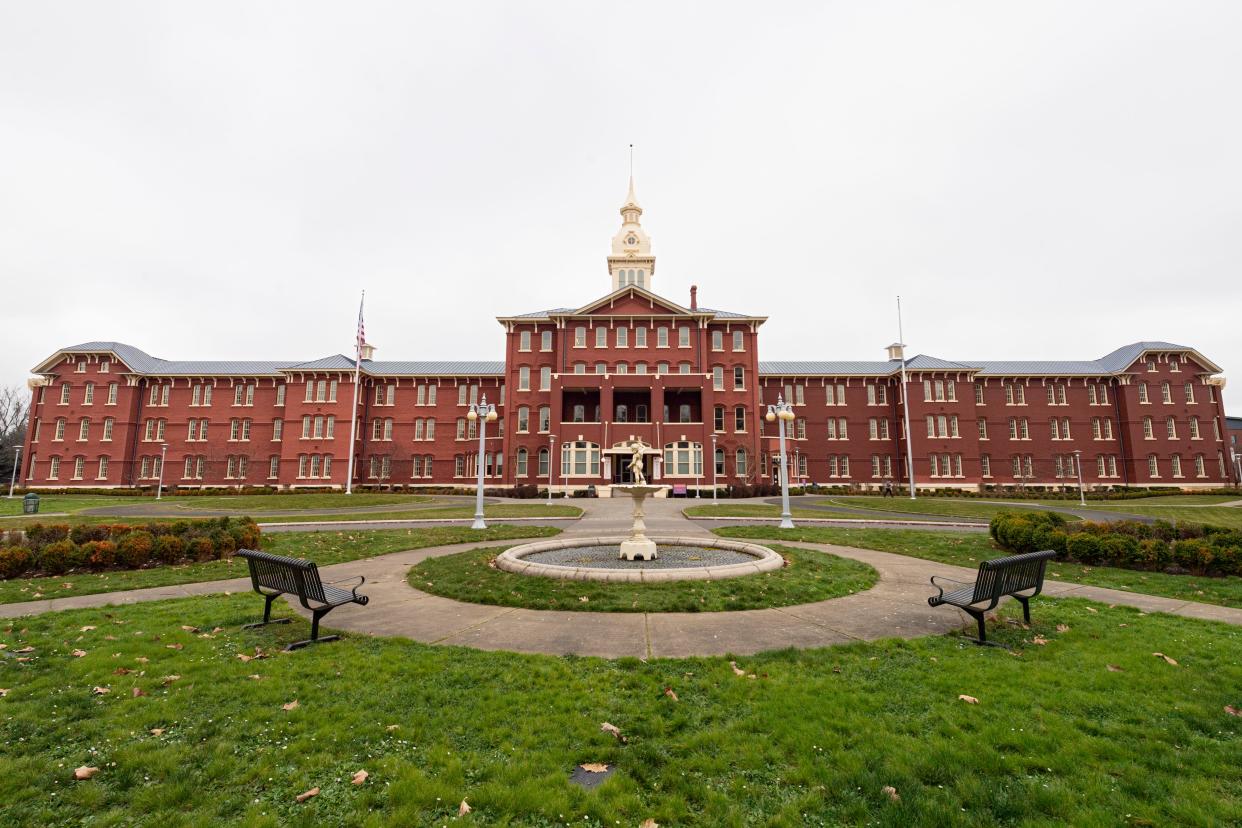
(638, 547)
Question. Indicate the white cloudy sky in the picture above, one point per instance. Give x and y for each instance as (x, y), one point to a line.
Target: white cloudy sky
(220, 179)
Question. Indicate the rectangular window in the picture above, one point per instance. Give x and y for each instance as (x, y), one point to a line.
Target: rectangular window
(102, 473)
(623, 337)
(545, 341)
(239, 393)
(717, 340)
(601, 337)
(718, 378)
(278, 427)
(739, 378)
(84, 430)
(739, 419)
(661, 337)
(640, 337)
(523, 380)
(280, 394)
(579, 338)
(107, 429)
(1189, 388)
(545, 378)
(53, 472)
(739, 341)
(524, 341)
(1142, 392)
(683, 337)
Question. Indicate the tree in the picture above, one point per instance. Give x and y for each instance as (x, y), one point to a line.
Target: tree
(14, 418)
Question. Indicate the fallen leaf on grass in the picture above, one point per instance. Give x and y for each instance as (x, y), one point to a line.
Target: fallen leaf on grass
(122, 671)
(244, 658)
(142, 660)
(4, 691)
(391, 728)
(84, 772)
(737, 671)
(1232, 711)
(170, 679)
(1115, 668)
(99, 691)
(614, 730)
(137, 691)
(157, 731)
(968, 699)
(302, 797)
(255, 676)
(668, 691)
(649, 823)
(188, 628)
(1166, 658)
(175, 646)
(584, 600)
(293, 705)
(79, 653)
(594, 767)
(87, 628)
(1062, 628)
(463, 808)
(25, 650)
(1040, 640)
(891, 793)
(1092, 609)
(359, 777)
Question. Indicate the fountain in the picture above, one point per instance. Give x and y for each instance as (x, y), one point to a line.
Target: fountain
(637, 558)
(638, 547)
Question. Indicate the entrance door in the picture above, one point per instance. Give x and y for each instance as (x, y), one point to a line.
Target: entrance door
(621, 474)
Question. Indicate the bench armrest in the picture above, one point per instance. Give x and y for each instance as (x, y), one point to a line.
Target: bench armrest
(362, 579)
(943, 578)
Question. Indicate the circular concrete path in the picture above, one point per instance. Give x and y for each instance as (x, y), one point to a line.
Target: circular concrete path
(895, 607)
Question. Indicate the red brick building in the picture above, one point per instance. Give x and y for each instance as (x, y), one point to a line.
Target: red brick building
(576, 383)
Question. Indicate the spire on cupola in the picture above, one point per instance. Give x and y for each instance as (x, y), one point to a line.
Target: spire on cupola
(631, 262)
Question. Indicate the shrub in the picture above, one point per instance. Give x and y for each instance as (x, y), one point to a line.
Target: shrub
(14, 561)
(103, 554)
(202, 549)
(39, 535)
(85, 532)
(169, 549)
(1153, 553)
(1083, 547)
(135, 548)
(54, 558)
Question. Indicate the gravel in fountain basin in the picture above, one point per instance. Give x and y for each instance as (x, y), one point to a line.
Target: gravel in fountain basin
(608, 557)
(680, 559)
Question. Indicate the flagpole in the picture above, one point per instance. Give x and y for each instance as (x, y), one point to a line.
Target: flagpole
(905, 401)
(353, 412)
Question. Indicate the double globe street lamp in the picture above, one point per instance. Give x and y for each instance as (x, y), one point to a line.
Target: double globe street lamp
(482, 413)
(782, 412)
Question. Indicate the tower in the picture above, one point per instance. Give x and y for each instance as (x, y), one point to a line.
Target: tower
(631, 261)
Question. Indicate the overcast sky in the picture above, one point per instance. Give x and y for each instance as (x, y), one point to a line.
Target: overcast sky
(216, 180)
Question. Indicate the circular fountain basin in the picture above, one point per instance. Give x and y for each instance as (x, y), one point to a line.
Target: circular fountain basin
(680, 559)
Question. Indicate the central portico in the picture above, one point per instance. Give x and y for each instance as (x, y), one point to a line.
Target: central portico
(631, 365)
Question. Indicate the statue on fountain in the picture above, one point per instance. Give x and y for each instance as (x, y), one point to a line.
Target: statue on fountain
(636, 462)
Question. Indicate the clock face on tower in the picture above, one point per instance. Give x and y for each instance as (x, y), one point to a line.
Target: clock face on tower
(631, 240)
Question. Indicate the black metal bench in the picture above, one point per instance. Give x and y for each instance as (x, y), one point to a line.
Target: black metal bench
(997, 578)
(276, 575)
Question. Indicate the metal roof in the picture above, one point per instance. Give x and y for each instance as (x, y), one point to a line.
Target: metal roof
(141, 362)
(833, 368)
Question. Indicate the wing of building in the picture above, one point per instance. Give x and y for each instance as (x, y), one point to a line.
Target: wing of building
(578, 383)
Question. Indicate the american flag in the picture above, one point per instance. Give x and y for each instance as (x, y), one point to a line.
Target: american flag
(362, 330)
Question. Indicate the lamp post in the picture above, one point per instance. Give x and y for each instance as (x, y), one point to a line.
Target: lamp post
(17, 455)
(714, 470)
(551, 464)
(1082, 497)
(482, 413)
(163, 454)
(782, 412)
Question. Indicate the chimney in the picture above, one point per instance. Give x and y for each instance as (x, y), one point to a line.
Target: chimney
(694, 297)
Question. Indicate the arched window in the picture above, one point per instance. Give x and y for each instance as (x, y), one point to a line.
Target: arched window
(683, 459)
(579, 413)
(642, 278)
(742, 464)
(544, 454)
(720, 462)
(521, 462)
(580, 459)
(623, 413)
(523, 418)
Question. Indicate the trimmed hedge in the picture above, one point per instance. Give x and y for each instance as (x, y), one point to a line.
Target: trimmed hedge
(58, 548)
(1161, 546)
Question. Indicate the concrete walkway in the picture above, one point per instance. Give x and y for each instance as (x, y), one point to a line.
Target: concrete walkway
(895, 607)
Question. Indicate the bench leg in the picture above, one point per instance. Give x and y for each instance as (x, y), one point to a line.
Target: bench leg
(314, 639)
(978, 616)
(1026, 608)
(267, 614)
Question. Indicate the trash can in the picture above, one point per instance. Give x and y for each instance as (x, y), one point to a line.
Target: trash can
(30, 504)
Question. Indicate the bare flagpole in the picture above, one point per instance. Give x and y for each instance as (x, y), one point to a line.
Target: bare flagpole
(353, 412)
(905, 401)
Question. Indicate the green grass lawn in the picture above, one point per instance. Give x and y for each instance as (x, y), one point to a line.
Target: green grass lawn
(947, 506)
(809, 576)
(1056, 738)
(1228, 516)
(762, 510)
(323, 548)
(243, 503)
(969, 548)
(537, 509)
